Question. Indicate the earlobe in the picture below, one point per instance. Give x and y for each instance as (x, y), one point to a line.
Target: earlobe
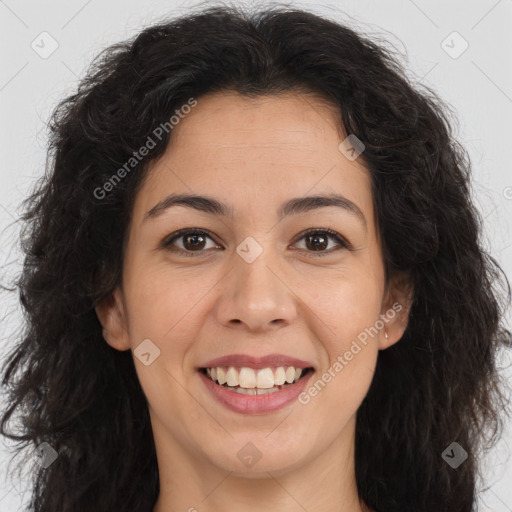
(110, 313)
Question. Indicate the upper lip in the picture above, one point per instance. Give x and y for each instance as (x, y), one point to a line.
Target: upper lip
(256, 362)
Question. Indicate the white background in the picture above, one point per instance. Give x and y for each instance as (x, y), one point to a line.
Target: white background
(477, 84)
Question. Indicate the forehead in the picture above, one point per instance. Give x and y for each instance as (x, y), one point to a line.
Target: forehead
(254, 151)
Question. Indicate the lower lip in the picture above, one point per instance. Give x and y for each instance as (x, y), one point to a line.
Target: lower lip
(255, 404)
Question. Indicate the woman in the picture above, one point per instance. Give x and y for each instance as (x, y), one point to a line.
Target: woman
(254, 279)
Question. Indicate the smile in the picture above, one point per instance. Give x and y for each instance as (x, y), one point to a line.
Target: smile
(248, 390)
(255, 381)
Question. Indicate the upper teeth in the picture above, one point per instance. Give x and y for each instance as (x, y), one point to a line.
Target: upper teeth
(263, 378)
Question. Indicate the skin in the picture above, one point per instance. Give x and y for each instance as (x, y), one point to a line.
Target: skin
(254, 154)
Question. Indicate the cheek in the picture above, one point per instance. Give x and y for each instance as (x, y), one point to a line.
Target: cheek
(347, 309)
(166, 309)
(347, 302)
(350, 310)
(166, 301)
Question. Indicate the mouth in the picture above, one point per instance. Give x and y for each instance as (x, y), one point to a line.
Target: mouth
(252, 381)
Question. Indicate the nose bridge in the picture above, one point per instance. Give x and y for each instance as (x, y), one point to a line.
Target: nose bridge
(254, 293)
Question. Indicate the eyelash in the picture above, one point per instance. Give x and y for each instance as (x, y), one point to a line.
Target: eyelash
(194, 231)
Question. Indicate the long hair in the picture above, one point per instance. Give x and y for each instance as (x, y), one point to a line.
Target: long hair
(438, 385)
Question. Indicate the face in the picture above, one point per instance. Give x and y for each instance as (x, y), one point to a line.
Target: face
(259, 282)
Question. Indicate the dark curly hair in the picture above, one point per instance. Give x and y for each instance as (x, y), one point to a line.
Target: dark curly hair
(440, 383)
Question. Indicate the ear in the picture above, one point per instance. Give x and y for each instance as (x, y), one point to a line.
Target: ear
(396, 305)
(111, 315)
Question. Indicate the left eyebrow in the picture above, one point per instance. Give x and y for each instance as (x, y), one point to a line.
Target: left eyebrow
(293, 206)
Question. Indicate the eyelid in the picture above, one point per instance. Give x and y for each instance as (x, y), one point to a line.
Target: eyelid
(343, 243)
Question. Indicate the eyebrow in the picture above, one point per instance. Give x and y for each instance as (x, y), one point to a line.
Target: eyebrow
(293, 206)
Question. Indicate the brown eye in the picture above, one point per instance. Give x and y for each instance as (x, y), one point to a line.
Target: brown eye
(192, 241)
(317, 240)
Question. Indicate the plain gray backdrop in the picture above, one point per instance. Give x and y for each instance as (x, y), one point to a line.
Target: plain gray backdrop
(461, 49)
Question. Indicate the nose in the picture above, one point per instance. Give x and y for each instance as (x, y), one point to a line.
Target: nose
(255, 296)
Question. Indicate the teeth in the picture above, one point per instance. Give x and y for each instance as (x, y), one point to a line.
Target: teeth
(232, 377)
(221, 376)
(250, 379)
(279, 376)
(265, 379)
(247, 378)
(253, 391)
